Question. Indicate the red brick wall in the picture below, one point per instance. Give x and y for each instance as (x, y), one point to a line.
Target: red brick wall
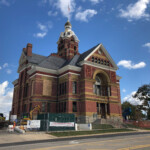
(115, 108)
(91, 106)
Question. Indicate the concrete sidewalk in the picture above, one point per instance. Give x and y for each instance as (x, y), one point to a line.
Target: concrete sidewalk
(6, 137)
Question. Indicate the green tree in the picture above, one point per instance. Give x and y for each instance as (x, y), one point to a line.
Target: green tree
(143, 94)
(125, 106)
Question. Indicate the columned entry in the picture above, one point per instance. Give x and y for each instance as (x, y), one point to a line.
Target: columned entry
(102, 109)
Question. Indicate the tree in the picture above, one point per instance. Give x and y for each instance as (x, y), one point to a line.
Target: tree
(131, 111)
(143, 94)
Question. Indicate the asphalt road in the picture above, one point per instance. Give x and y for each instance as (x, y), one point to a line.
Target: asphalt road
(123, 142)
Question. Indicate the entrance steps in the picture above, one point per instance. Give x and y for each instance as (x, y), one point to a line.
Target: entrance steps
(113, 122)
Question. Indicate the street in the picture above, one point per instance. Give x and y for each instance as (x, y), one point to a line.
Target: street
(140, 142)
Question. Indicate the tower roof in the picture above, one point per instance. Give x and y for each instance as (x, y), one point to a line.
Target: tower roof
(68, 33)
(68, 24)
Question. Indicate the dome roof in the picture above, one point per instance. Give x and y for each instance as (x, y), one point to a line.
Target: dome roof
(68, 23)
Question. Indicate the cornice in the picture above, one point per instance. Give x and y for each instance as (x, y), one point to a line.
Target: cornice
(84, 62)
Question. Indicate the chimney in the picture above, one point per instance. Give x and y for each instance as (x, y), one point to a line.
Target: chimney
(29, 49)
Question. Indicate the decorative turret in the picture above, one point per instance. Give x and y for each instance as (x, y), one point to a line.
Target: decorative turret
(68, 42)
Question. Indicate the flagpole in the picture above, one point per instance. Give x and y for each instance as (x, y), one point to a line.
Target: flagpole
(68, 12)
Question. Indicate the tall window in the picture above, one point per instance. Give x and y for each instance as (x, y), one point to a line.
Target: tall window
(59, 89)
(64, 106)
(24, 108)
(74, 87)
(65, 88)
(62, 88)
(26, 90)
(43, 107)
(98, 108)
(48, 107)
(20, 93)
(30, 107)
(74, 107)
(75, 50)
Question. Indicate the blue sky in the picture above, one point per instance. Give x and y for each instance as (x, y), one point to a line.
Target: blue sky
(122, 26)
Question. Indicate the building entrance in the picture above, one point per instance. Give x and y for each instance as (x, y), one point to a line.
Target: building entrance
(102, 109)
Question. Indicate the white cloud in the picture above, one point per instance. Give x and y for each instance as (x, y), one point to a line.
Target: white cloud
(44, 29)
(0, 67)
(50, 13)
(96, 1)
(8, 71)
(134, 101)
(66, 7)
(5, 65)
(4, 2)
(40, 35)
(129, 65)
(85, 15)
(124, 90)
(6, 95)
(136, 11)
(147, 45)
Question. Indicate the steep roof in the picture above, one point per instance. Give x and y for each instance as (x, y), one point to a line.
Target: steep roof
(73, 61)
(86, 53)
(35, 59)
(52, 62)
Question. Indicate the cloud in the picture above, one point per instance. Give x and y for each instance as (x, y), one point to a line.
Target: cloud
(5, 65)
(8, 71)
(135, 11)
(96, 1)
(0, 67)
(50, 13)
(43, 29)
(129, 65)
(6, 95)
(124, 90)
(85, 15)
(66, 7)
(147, 45)
(4, 2)
(40, 35)
(134, 101)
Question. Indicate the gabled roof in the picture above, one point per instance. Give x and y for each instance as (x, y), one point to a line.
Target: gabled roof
(87, 54)
(54, 62)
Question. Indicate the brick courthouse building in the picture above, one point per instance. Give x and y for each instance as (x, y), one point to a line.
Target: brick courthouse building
(68, 82)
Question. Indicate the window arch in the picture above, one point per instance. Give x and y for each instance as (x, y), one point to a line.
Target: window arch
(100, 86)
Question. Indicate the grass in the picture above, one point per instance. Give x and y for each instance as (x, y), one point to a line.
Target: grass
(102, 126)
(76, 133)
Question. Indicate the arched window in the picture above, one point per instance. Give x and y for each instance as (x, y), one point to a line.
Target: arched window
(97, 86)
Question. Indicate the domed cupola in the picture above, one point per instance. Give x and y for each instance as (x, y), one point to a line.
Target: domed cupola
(68, 42)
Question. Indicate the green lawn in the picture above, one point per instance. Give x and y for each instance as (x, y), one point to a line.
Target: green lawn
(75, 133)
(102, 126)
